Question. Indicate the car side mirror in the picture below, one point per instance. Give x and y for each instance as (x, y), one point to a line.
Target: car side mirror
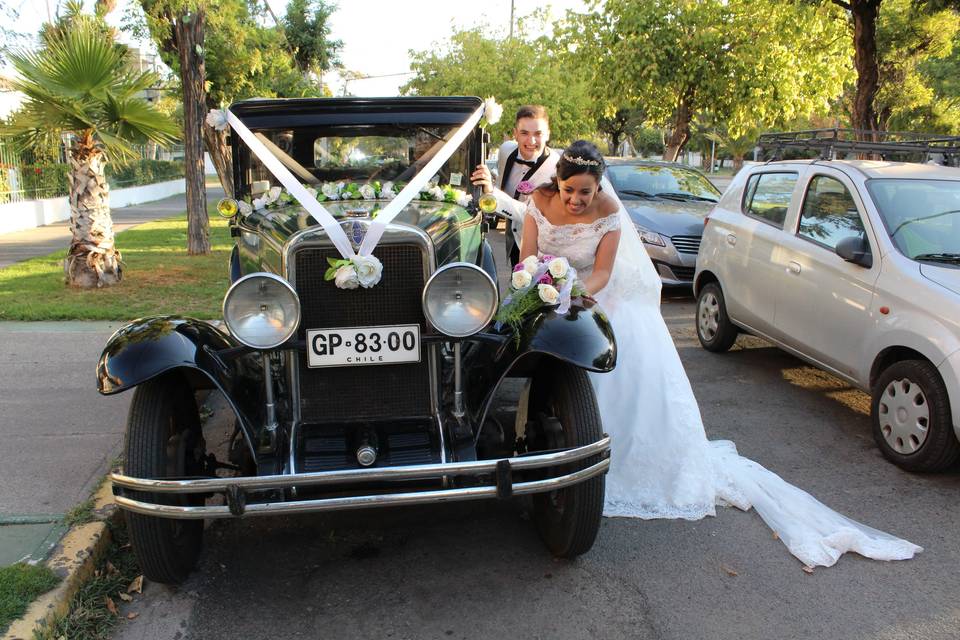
(855, 249)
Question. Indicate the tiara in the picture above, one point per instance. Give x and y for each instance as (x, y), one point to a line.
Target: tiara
(581, 161)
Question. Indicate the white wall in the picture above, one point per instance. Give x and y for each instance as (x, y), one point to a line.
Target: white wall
(17, 216)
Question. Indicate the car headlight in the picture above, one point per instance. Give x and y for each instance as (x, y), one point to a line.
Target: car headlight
(649, 237)
(261, 310)
(460, 299)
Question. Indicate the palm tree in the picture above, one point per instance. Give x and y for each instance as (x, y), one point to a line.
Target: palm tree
(80, 83)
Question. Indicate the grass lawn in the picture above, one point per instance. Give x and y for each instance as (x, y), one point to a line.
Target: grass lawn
(20, 584)
(158, 278)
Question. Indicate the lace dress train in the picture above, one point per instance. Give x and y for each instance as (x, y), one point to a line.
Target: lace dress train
(662, 465)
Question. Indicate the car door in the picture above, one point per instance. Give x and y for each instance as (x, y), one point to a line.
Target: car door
(753, 248)
(823, 309)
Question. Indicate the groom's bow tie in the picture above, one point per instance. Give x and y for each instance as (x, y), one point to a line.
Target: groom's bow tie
(529, 163)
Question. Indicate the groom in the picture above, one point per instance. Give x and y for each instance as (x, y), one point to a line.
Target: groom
(525, 161)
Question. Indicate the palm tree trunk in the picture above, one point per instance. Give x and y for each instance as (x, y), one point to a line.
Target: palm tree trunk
(92, 260)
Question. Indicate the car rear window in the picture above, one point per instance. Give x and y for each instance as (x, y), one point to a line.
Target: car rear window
(767, 196)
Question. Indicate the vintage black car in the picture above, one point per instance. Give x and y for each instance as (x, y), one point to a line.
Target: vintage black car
(366, 396)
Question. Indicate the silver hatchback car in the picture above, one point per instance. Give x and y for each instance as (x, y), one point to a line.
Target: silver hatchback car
(853, 266)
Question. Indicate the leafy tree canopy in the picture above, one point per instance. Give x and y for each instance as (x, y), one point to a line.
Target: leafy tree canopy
(307, 28)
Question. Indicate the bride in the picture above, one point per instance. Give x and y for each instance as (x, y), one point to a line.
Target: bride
(664, 466)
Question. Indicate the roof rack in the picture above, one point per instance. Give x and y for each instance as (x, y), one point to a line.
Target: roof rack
(828, 143)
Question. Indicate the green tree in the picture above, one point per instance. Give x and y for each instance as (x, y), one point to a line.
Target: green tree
(517, 71)
(307, 29)
(749, 62)
(82, 84)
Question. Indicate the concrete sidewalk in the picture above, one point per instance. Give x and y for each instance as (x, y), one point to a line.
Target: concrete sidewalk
(21, 245)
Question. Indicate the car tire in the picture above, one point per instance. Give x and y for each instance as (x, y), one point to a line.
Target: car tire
(568, 519)
(714, 329)
(164, 439)
(910, 412)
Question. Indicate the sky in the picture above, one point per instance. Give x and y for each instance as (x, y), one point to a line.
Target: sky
(376, 34)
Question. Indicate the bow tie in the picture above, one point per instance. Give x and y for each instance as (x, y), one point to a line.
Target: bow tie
(529, 163)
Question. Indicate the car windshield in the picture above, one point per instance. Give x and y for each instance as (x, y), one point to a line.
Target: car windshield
(633, 181)
(358, 154)
(921, 216)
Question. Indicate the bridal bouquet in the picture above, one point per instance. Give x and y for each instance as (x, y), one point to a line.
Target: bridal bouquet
(536, 283)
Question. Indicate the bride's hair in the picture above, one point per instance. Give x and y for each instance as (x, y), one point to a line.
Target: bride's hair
(579, 158)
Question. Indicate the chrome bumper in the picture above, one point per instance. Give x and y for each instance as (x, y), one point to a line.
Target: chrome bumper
(234, 488)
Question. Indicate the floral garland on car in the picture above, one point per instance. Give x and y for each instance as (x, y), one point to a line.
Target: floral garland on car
(277, 197)
(536, 283)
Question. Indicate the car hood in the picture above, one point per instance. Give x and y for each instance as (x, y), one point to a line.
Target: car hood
(669, 217)
(948, 277)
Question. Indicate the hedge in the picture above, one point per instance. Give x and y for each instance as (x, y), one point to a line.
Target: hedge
(50, 180)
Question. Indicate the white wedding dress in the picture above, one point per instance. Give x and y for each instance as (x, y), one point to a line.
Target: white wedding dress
(662, 465)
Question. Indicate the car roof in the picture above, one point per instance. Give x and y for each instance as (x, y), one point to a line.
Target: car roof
(305, 112)
(612, 160)
(880, 168)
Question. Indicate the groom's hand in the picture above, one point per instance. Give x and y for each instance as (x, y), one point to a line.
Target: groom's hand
(481, 177)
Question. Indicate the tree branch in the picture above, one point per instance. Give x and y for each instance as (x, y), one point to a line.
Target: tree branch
(840, 3)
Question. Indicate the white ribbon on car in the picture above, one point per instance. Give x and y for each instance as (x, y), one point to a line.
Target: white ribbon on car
(384, 217)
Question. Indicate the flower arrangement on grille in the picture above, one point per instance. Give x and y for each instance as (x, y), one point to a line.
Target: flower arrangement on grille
(536, 283)
(277, 197)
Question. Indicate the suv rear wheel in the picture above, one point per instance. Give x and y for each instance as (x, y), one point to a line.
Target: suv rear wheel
(911, 417)
(714, 329)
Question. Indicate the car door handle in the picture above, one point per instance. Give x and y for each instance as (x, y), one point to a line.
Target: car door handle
(793, 267)
(731, 239)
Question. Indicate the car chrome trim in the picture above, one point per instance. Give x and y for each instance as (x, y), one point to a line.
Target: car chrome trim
(407, 472)
(361, 502)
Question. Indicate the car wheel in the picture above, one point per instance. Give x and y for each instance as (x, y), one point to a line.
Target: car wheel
(714, 329)
(911, 417)
(567, 416)
(164, 440)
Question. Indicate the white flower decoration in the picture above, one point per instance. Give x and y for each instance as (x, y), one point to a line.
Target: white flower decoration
(387, 192)
(462, 197)
(530, 264)
(492, 111)
(273, 195)
(330, 190)
(521, 279)
(346, 277)
(436, 193)
(217, 119)
(368, 192)
(312, 192)
(558, 267)
(259, 203)
(548, 293)
(368, 269)
(244, 207)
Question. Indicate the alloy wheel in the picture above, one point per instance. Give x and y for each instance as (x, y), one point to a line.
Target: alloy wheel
(708, 315)
(904, 416)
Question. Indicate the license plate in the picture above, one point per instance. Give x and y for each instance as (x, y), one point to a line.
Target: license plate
(349, 346)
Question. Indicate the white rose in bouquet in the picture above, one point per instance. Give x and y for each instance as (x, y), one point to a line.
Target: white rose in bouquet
(521, 279)
(368, 192)
(330, 190)
(346, 277)
(558, 267)
(530, 264)
(368, 269)
(548, 293)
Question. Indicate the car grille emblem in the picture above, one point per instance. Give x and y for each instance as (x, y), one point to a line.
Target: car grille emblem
(357, 232)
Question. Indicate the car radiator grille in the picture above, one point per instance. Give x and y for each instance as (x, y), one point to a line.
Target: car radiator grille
(683, 273)
(337, 394)
(686, 244)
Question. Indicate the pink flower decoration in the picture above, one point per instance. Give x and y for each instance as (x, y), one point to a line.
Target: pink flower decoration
(545, 279)
(525, 187)
(518, 266)
(547, 257)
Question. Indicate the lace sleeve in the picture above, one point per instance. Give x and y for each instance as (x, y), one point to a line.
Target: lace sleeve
(611, 222)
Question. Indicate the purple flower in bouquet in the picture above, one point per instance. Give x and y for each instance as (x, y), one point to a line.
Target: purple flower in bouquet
(546, 258)
(545, 279)
(518, 266)
(525, 187)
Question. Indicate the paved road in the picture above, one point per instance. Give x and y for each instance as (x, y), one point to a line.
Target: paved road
(479, 570)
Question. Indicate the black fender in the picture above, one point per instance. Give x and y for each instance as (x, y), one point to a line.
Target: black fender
(487, 262)
(582, 337)
(149, 347)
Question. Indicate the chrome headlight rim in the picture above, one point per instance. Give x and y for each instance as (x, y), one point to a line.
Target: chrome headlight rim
(243, 281)
(485, 276)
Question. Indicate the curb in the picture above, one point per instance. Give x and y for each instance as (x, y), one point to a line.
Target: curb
(74, 559)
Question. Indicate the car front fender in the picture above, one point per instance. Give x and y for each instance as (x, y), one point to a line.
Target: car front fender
(149, 347)
(582, 337)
